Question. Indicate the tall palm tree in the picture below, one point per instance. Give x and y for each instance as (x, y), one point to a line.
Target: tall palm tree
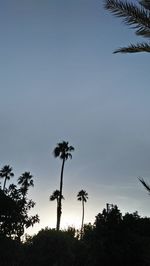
(55, 196)
(135, 15)
(63, 151)
(82, 196)
(6, 173)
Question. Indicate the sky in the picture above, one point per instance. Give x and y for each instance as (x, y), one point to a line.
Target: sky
(61, 81)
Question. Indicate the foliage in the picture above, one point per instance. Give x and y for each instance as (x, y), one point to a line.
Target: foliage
(113, 239)
(63, 151)
(6, 173)
(51, 247)
(82, 195)
(55, 195)
(136, 16)
(118, 240)
(15, 206)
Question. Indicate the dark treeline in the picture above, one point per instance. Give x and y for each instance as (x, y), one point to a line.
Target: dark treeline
(113, 239)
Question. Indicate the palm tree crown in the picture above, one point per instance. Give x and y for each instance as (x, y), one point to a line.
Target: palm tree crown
(6, 173)
(135, 15)
(63, 151)
(82, 195)
(26, 181)
(55, 195)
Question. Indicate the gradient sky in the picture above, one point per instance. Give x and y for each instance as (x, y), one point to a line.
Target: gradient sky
(60, 81)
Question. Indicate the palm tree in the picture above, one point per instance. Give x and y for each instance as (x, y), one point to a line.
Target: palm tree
(63, 151)
(135, 15)
(144, 184)
(6, 173)
(82, 196)
(26, 181)
(55, 196)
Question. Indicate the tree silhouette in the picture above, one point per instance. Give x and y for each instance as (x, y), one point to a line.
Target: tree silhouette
(136, 16)
(15, 205)
(82, 196)
(63, 151)
(26, 181)
(6, 173)
(55, 196)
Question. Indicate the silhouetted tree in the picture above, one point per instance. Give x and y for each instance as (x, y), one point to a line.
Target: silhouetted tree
(63, 151)
(15, 205)
(55, 196)
(6, 173)
(117, 240)
(135, 15)
(82, 196)
(25, 181)
(51, 247)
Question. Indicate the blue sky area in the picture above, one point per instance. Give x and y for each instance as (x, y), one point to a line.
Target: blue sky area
(60, 81)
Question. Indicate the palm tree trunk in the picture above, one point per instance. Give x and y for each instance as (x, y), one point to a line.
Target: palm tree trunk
(82, 218)
(4, 183)
(57, 214)
(60, 197)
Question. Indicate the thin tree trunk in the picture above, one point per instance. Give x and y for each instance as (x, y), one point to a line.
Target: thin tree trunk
(57, 213)
(4, 183)
(82, 218)
(60, 197)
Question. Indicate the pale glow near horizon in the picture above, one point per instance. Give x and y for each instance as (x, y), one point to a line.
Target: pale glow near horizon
(66, 222)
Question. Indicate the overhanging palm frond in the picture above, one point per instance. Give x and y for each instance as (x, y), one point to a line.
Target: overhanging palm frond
(144, 184)
(135, 15)
(139, 47)
(132, 15)
(145, 3)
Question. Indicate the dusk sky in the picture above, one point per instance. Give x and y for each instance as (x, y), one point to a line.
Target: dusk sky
(61, 81)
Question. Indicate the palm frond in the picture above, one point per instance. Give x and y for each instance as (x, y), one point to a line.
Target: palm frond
(56, 152)
(143, 32)
(139, 47)
(145, 3)
(144, 184)
(132, 15)
(71, 148)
